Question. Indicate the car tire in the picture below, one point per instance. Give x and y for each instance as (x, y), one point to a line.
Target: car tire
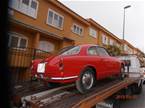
(85, 81)
(137, 89)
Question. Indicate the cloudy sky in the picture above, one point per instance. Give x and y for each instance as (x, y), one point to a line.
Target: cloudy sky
(110, 15)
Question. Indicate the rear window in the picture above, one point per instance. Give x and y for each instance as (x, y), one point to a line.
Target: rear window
(72, 51)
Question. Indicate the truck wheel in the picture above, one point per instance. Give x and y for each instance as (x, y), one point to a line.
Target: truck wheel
(116, 104)
(86, 81)
(139, 90)
(136, 89)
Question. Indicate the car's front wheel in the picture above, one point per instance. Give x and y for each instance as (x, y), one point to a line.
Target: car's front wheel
(86, 80)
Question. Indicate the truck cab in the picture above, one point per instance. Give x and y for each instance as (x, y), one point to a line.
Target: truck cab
(132, 65)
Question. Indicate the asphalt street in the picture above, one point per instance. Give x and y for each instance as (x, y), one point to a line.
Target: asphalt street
(139, 102)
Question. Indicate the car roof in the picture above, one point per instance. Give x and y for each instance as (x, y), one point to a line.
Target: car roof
(87, 45)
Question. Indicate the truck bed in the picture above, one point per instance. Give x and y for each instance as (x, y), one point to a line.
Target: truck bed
(69, 97)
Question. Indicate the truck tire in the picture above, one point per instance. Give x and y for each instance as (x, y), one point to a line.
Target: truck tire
(85, 81)
(136, 89)
(116, 104)
(139, 90)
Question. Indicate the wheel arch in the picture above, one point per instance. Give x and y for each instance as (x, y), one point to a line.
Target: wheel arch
(91, 67)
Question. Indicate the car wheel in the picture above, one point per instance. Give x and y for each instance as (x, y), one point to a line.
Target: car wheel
(86, 80)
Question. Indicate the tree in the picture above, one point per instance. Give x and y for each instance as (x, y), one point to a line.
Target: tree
(113, 50)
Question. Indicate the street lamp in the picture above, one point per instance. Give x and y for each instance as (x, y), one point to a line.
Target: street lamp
(128, 6)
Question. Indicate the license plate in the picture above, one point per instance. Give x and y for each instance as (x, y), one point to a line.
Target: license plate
(41, 68)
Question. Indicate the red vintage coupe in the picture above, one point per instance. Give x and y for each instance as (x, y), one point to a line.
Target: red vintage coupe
(82, 64)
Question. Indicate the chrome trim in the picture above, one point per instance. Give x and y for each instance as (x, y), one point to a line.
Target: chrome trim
(63, 78)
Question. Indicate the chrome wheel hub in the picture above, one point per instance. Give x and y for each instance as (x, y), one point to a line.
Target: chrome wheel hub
(87, 80)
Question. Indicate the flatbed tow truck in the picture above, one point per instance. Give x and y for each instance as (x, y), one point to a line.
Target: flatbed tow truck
(69, 97)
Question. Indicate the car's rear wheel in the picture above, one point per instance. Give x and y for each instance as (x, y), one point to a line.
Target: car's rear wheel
(86, 80)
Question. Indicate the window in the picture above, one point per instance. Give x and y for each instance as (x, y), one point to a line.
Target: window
(65, 49)
(104, 39)
(26, 2)
(46, 46)
(72, 51)
(28, 7)
(14, 42)
(34, 5)
(126, 48)
(77, 29)
(54, 19)
(111, 42)
(102, 51)
(50, 17)
(93, 32)
(18, 41)
(92, 50)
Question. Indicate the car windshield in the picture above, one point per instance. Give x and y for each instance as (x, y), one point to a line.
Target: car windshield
(71, 50)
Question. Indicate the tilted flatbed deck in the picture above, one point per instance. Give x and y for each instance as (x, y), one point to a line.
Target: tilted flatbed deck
(69, 97)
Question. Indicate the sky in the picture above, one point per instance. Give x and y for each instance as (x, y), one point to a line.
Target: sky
(109, 14)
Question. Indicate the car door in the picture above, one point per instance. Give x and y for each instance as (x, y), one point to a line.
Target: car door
(106, 60)
(97, 61)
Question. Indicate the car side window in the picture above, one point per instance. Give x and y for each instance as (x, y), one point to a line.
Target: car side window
(92, 50)
(102, 51)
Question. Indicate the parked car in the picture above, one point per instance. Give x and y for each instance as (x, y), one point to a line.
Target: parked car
(83, 64)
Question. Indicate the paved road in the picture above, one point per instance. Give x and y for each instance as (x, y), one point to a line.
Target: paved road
(136, 103)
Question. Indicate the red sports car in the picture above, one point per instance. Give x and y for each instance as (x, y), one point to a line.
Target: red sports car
(83, 64)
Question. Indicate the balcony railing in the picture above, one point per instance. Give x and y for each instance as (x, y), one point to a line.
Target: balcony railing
(20, 61)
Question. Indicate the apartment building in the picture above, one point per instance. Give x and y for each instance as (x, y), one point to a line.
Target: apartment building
(104, 37)
(48, 25)
(128, 48)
